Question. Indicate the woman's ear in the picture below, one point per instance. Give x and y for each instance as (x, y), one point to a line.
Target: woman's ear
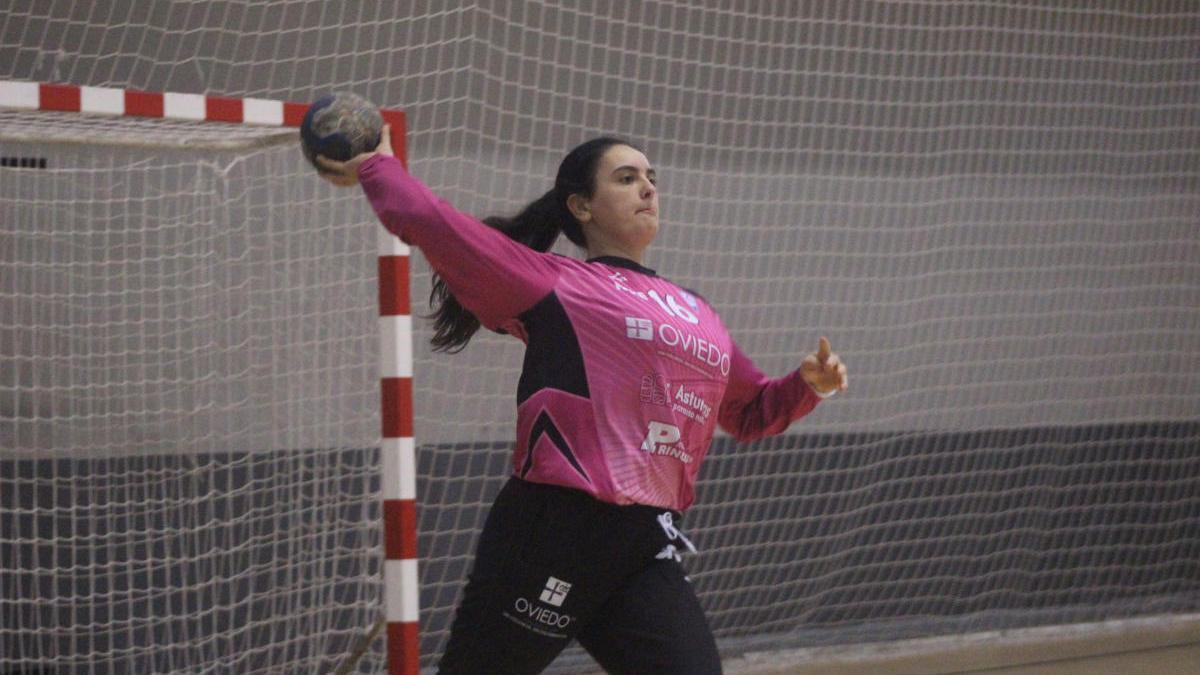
(578, 205)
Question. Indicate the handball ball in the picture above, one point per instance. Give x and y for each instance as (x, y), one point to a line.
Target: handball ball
(340, 126)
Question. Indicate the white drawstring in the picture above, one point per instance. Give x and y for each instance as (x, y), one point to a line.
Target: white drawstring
(669, 553)
(667, 521)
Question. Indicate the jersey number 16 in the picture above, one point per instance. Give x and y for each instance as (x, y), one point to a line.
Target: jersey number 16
(672, 306)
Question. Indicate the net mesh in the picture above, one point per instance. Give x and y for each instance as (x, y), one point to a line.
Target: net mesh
(190, 403)
(989, 208)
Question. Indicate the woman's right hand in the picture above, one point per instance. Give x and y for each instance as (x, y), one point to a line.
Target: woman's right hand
(345, 174)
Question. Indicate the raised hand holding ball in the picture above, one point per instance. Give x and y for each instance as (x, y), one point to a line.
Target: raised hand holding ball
(339, 127)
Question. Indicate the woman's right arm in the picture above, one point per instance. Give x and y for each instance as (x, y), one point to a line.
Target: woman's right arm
(491, 275)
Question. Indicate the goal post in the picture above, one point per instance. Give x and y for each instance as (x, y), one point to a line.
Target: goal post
(196, 414)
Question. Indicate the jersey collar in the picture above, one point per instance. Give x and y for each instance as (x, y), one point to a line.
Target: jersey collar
(616, 261)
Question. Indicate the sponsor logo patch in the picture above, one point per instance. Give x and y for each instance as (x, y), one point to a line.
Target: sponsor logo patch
(663, 439)
(690, 404)
(701, 352)
(620, 282)
(698, 348)
(555, 592)
(653, 389)
(639, 329)
(540, 618)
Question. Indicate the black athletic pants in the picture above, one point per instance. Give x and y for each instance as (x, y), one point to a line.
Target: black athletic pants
(554, 564)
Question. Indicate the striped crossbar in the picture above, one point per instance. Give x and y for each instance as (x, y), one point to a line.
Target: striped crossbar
(194, 107)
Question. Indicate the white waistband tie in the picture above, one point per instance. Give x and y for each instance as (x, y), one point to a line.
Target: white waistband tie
(667, 521)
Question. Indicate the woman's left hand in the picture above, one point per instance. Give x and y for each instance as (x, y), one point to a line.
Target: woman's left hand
(824, 371)
(345, 174)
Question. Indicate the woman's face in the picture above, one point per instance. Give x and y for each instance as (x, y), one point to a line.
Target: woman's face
(622, 212)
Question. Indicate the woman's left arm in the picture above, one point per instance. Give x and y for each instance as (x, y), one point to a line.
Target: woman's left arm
(755, 405)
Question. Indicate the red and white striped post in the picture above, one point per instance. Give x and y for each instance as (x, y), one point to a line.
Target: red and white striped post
(398, 449)
(401, 601)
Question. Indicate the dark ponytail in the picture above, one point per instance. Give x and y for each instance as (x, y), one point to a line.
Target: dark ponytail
(537, 226)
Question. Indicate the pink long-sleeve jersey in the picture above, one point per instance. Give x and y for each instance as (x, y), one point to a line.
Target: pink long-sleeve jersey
(626, 375)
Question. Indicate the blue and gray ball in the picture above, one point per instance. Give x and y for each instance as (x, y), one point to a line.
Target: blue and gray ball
(340, 126)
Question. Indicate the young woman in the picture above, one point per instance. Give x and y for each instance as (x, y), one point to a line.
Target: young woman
(626, 376)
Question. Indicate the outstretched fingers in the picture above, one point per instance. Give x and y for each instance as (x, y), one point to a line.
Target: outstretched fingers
(824, 369)
(345, 174)
(385, 142)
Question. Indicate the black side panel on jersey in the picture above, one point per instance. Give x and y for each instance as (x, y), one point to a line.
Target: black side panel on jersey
(545, 425)
(553, 357)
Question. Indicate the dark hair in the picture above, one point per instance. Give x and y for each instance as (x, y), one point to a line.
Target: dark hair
(537, 226)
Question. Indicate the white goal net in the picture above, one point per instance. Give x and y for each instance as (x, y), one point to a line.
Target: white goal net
(990, 208)
(189, 401)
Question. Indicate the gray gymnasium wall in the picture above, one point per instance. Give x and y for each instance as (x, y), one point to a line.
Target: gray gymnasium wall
(1013, 234)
